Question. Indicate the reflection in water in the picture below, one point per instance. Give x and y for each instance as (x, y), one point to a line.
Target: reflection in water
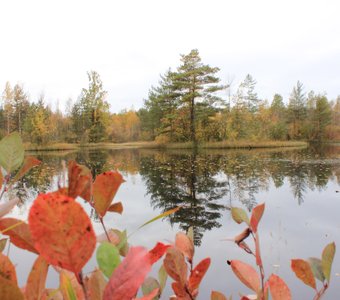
(188, 180)
(206, 182)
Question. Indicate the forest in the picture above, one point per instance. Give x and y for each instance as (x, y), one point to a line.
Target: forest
(189, 104)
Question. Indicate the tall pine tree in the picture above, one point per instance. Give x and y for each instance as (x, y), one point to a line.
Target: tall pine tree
(197, 85)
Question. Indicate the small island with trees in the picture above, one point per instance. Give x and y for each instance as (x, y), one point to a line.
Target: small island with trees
(189, 106)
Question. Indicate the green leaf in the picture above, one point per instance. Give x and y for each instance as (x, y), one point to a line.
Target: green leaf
(149, 285)
(316, 266)
(165, 214)
(162, 277)
(11, 152)
(123, 245)
(1, 179)
(3, 244)
(327, 260)
(239, 215)
(108, 258)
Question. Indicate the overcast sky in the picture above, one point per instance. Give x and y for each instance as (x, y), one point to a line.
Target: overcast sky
(50, 45)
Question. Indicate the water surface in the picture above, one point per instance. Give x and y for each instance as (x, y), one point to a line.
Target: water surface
(299, 187)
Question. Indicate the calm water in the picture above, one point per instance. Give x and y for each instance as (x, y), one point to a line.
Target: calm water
(298, 186)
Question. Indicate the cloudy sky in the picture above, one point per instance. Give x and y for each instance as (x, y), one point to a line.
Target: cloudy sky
(50, 45)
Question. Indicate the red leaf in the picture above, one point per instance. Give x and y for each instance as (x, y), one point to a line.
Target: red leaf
(180, 291)
(36, 280)
(79, 181)
(278, 288)
(175, 265)
(7, 269)
(116, 207)
(153, 294)
(20, 235)
(256, 216)
(28, 164)
(303, 271)
(198, 273)
(186, 245)
(129, 276)
(246, 274)
(62, 231)
(104, 189)
(157, 252)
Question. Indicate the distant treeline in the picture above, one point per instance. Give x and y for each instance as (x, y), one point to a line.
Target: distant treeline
(189, 104)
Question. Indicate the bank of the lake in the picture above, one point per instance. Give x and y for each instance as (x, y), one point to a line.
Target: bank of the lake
(244, 144)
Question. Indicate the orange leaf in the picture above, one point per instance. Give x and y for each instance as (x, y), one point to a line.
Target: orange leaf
(198, 273)
(9, 290)
(278, 288)
(303, 271)
(157, 252)
(28, 164)
(69, 286)
(7, 269)
(20, 235)
(150, 296)
(104, 189)
(62, 231)
(186, 245)
(96, 285)
(257, 250)
(256, 216)
(175, 265)
(36, 280)
(246, 274)
(116, 207)
(217, 296)
(129, 275)
(79, 181)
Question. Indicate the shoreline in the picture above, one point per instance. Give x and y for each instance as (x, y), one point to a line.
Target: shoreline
(153, 145)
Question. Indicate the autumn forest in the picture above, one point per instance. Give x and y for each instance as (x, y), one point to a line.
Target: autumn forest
(189, 104)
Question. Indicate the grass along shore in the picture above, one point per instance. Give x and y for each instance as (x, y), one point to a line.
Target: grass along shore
(242, 144)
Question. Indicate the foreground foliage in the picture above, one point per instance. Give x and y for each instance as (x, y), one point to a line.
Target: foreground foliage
(60, 232)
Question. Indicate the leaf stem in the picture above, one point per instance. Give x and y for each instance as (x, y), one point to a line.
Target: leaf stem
(81, 281)
(102, 222)
(320, 293)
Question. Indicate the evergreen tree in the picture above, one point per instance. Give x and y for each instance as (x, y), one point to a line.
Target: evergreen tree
(162, 105)
(8, 108)
(322, 117)
(197, 86)
(297, 110)
(90, 113)
(20, 107)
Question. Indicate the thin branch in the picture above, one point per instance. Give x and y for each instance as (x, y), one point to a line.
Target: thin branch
(107, 235)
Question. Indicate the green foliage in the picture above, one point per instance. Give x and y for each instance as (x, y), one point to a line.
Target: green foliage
(108, 258)
(91, 112)
(11, 152)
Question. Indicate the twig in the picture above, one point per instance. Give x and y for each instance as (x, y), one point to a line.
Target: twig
(107, 235)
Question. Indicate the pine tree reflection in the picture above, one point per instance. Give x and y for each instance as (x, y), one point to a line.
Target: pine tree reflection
(189, 180)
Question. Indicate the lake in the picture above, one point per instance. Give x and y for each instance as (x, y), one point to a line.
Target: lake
(299, 186)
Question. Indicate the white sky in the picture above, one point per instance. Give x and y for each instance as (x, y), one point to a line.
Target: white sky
(50, 45)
